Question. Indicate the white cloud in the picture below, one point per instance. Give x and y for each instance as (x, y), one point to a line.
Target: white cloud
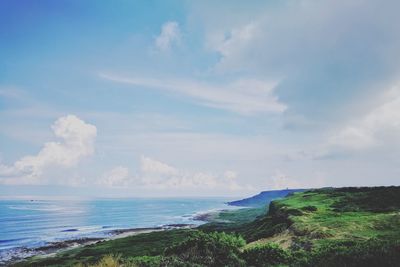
(237, 39)
(161, 175)
(281, 180)
(170, 34)
(158, 175)
(152, 166)
(245, 96)
(378, 127)
(303, 34)
(313, 48)
(117, 177)
(231, 182)
(77, 143)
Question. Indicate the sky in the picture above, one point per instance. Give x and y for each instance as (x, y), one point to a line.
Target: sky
(197, 98)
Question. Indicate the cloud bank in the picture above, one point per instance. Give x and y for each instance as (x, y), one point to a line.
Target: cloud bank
(77, 142)
(380, 126)
(154, 174)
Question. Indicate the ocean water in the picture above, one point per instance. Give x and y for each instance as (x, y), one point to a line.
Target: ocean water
(30, 224)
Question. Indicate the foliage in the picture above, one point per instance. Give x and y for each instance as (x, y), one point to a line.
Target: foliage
(173, 261)
(267, 254)
(367, 253)
(212, 249)
(143, 261)
(374, 199)
(230, 221)
(106, 261)
(309, 208)
(372, 252)
(147, 244)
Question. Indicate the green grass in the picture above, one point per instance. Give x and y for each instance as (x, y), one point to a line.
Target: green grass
(355, 220)
(320, 216)
(149, 244)
(233, 220)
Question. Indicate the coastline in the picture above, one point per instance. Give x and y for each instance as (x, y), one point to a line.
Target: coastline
(53, 248)
(210, 216)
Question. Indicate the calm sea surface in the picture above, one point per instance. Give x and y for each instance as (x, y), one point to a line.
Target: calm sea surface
(30, 224)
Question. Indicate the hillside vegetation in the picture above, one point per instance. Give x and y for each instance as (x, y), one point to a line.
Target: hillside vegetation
(313, 217)
(323, 227)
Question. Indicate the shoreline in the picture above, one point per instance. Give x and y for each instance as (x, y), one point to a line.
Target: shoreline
(52, 248)
(207, 217)
(19, 254)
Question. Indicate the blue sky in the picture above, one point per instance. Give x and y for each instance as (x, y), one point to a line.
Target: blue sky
(177, 98)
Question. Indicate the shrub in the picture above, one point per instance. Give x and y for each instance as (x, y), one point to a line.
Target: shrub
(213, 249)
(309, 208)
(294, 212)
(106, 261)
(375, 199)
(367, 253)
(268, 254)
(143, 261)
(176, 262)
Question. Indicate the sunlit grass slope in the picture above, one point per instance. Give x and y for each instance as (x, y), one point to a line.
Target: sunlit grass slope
(352, 214)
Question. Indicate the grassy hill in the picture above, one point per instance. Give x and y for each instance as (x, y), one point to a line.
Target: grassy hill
(317, 216)
(323, 227)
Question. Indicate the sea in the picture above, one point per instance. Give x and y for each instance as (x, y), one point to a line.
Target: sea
(28, 224)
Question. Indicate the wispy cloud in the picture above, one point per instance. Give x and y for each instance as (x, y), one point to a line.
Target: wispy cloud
(170, 35)
(244, 96)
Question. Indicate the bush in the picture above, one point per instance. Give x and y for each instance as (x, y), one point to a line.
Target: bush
(268, 254)
(375, 199)
(309, 208)
(176, 262)
(106, 261)
(367, 253)
(143, 261)
(213, 249)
